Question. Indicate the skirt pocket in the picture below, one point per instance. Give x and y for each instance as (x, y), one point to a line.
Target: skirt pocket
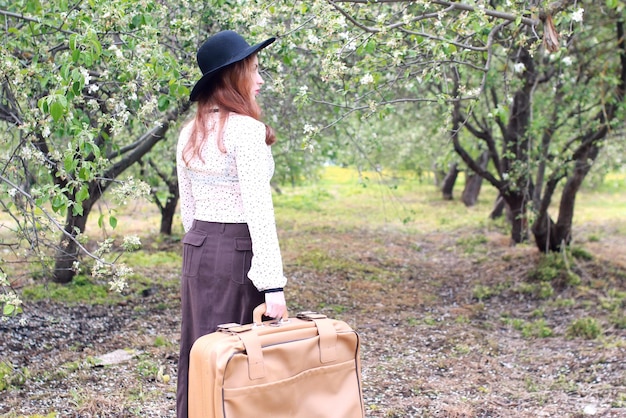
(242, 260)
(192, 252)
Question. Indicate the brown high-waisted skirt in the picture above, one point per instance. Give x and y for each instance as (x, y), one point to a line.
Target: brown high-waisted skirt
(215, 288)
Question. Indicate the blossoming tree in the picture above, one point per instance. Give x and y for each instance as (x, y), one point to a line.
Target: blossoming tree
(88, 88)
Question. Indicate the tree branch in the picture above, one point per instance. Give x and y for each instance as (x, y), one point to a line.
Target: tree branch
(553, 8)
(51, 218)
(140, 147)
(33, 20)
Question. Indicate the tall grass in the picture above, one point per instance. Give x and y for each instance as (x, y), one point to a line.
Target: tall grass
(345, 199)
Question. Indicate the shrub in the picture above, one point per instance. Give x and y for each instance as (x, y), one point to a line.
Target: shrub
(537, 329)
(587, 328)
(11, 377)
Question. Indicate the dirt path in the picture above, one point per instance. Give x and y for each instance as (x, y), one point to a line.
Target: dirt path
(430, 347)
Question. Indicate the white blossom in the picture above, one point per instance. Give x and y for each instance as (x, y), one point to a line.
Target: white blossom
(131, 243)
(314, 40)
(116, 50)
(519, 67)
(577, 16)
(86, 75)
(3, 279)
(10, 299)
(118, 282)
(148, 107)
(117, 285)
(103, 248)
(474, 91)
(567, 61)
(367, 79)
(308, 129)
(131, 188)
(27, 153)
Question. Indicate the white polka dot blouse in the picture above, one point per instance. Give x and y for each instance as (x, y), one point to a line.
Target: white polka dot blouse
(234, 187)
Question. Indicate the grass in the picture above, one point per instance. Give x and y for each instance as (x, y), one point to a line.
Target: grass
(587, 328)
(82, 289)
(344, 201)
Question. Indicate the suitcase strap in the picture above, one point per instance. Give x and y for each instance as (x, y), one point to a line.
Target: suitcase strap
(327, 333)
(328, 340)
(254, 351)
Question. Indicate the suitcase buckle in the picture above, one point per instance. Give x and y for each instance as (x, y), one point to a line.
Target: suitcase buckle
(233, 328)
(275, 323)
(226, 327)
(310, 315)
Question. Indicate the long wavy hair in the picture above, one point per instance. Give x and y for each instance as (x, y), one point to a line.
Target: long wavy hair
(230, 92)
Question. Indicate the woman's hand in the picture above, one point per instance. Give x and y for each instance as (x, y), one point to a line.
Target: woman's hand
(275, 305)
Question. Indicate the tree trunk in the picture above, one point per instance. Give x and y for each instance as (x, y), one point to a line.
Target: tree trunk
(473, 182)
(448, 182)
(168, 211)
(550, 236)
(439, 175)
(498, 208)
(67, 251)
(518, 217)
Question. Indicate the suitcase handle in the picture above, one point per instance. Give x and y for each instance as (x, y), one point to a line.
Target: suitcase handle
(257, 316)
(325, 330)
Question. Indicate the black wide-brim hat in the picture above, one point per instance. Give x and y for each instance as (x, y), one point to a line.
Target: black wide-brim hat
(219, 51)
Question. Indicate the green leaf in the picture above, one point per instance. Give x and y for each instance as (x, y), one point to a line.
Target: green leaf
(449, 48)
(58, 204)
(87, 148)
(57, 109)
(69, 163)
(76, 88)
(138, 21)
(84, 174)
(8, 309)
(164, 103)
(113, 221)
(43, 105)
(65, 71)
(77, 209)
(83, 193)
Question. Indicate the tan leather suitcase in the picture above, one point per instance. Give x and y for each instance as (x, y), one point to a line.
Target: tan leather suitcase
(303, 367)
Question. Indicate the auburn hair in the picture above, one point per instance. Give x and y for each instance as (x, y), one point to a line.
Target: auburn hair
(229, 92)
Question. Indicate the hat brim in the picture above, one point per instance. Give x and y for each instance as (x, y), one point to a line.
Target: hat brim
(208, 77)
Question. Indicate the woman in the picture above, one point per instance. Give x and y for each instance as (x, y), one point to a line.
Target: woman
(231, 257)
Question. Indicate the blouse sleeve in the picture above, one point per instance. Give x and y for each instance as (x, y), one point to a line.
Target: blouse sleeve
(255, 164)
(187, 202)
